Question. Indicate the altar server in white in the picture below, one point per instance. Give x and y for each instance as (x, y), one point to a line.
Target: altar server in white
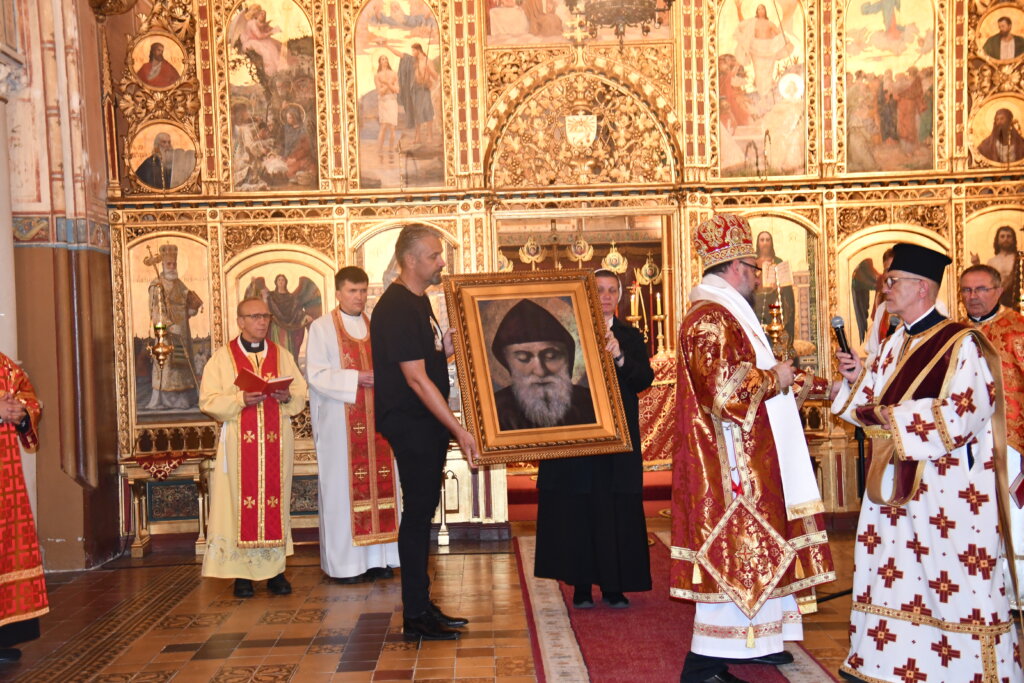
(358, 480)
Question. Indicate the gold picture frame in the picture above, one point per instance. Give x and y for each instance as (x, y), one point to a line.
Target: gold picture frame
(483, 307)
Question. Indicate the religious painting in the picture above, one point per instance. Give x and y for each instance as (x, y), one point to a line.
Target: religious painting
(788, 289)
(994, 131)
(158, 60)
(294, 293)
(1000, 34)
(890, 85)
(994, 237)
(761, 87)
(398, 85)
(536, 380)
(169, 287)
(539, 22)
(272, 88)
(859, 274)
(162, 156)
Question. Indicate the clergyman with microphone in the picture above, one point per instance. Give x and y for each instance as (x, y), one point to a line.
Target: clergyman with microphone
(926, 561)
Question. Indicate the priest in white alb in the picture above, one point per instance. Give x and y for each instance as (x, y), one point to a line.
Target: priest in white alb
(249, 534)
(358, 479)
(929, 598)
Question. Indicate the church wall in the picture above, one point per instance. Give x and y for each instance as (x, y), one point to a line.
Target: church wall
(62, 274)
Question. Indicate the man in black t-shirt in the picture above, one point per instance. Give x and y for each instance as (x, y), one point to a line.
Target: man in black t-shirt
(411, 404)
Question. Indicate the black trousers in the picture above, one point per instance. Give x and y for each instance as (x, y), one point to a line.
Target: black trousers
(420, 449)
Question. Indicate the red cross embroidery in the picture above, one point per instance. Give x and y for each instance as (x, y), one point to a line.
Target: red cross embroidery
(855, 661)
(974, 498)
(945, 462)
(909, 672)
(893, 513)
(882, 635)
(922, 489)
(944, 586)
(917, 607)
(869, 395)
(964, 402)
(945, 651)
(991, 387)
(890, 573)
(918, 548)
(959, 441)
(942, 523)
(977, 560)
(887, 361)
(865, 597)
(870, 539)
(920, 427)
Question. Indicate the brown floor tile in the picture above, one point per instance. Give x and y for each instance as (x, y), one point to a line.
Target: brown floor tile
(393, 675)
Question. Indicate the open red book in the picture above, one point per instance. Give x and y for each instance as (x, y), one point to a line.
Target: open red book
(248, 380)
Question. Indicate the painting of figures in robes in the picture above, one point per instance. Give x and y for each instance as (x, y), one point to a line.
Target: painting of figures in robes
(398, 83)
(861, 268)
(890, 85)
(158, 60)
(761, 86)
(789, 280)
(1000, 34)
(294, 300)
(162, 156)
(994, 237)
(538, 22)
(994, 132)
(272, 88)
(170, 285)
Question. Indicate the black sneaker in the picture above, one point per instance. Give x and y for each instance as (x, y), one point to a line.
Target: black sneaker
(582, 598)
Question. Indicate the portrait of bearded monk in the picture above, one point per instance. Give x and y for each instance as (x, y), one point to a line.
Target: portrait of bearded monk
(539, 354)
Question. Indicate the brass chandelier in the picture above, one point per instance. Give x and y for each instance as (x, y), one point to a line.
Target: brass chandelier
(619, 15)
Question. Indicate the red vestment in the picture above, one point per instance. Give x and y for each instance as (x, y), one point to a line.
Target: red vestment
(755, 554)
(371, 465)
(22, 586)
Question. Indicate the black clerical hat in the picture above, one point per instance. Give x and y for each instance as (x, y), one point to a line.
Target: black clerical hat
(913, 258)
(529, 322)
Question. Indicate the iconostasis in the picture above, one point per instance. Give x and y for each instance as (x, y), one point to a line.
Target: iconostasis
(263, 145)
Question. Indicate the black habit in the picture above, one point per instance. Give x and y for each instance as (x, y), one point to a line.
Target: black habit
(590, 515)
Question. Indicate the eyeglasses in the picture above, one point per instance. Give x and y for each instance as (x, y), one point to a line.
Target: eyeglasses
(980, 291)
(890, 281)
(257, 316)
(756, 269)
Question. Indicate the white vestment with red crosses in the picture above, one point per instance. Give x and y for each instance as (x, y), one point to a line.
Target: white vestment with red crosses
(929, 599)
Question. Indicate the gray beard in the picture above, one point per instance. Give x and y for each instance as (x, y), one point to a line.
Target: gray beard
(544, 402)
(169, 274)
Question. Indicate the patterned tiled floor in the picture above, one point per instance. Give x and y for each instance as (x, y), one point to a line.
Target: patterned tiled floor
(157, 620)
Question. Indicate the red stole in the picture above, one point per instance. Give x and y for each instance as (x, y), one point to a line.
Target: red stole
(22, 586)
(371, 466)
(260, 463)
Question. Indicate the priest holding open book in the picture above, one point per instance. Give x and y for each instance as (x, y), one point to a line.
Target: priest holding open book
(253, 387)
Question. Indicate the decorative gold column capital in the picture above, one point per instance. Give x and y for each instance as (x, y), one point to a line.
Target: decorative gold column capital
(105, 8)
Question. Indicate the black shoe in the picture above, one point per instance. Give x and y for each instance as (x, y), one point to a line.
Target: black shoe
(581, 597)
(380, 573)
(361, 578)
(9, 654)
(243, 588)
(774, 658)
(615, 600)
(426, 626)
(725, 677)
(445, 619)
(279, 585)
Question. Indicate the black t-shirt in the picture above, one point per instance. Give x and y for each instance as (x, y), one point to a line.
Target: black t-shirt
(403, 328)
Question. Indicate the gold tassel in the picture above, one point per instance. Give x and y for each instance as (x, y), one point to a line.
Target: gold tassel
(798, 569)
(697, 577)
(750, 636)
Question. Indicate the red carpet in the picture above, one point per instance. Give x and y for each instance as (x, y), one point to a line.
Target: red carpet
(647, 641)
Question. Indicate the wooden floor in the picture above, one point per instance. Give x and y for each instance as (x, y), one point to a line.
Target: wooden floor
(158, 620)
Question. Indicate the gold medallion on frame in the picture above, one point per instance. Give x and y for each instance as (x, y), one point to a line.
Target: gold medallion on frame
(157, 60)
(161, 156)
(994, 131)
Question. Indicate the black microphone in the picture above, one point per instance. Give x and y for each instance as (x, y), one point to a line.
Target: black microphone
(839, 328)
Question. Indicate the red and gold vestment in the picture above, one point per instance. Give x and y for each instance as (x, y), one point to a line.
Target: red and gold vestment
(732, 541)
(22, 586)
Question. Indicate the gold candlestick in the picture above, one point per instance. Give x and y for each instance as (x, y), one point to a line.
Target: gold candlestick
(660, 320)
